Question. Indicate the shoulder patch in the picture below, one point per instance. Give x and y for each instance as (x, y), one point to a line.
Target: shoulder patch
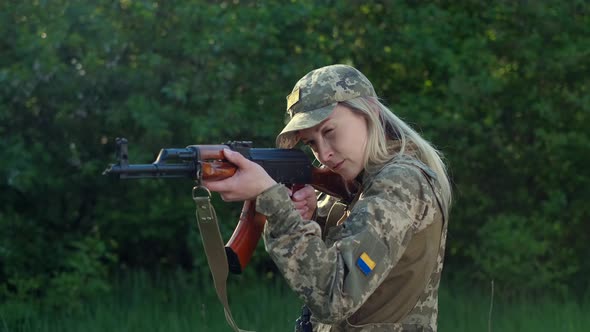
(365, 263)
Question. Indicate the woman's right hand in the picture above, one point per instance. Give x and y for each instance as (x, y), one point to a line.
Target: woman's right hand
(249, 181)
(305, 201)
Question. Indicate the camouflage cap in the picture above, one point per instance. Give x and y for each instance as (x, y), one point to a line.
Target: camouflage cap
(316, 94)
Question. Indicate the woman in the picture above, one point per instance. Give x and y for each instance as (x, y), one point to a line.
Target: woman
(376, 264)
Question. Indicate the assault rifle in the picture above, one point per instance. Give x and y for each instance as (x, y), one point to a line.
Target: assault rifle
(291, 167)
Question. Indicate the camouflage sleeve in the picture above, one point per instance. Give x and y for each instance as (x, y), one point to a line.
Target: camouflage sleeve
(335, 280)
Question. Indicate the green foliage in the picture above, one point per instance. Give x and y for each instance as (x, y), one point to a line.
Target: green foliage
(79, 273)
(500, 88)
(520, 257)
(82, 276)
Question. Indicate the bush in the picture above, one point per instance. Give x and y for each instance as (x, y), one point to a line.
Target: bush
(500, 88)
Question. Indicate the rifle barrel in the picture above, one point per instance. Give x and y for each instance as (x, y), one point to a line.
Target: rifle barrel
(153, 170)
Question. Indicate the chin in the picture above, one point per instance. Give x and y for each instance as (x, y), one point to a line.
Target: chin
(347, 176)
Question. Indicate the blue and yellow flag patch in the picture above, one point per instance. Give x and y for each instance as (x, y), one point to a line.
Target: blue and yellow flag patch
(365, 263)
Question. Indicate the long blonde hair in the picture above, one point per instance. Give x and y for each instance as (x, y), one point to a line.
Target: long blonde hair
(382, 126)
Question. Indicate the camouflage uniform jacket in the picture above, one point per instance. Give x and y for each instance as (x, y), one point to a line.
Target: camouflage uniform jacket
(379, 269)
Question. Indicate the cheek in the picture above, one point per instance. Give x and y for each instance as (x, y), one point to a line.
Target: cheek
(361, 144)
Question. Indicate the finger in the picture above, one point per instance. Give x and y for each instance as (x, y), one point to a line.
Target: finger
(230, 196)
(227, 198)
(218, 186)
(235, 158)
(304, 192)
(300, 195)
(301, 202)
(303, 211)
(297, 199)
(297, 196)
(299, 205)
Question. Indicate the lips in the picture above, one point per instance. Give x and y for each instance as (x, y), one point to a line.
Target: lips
(335, 167)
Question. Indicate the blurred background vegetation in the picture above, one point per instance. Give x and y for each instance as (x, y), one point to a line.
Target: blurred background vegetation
(501, 87)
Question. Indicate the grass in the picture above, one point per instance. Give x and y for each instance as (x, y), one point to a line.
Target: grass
(465, 310)
(181, 303)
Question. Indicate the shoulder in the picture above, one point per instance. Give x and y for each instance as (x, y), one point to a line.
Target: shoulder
(399, 174)
(407, 183)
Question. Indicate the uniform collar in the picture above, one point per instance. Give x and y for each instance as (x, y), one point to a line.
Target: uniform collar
(393, 147)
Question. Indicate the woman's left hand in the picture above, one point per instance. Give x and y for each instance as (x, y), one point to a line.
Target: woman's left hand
(305, 201)
(249, 181)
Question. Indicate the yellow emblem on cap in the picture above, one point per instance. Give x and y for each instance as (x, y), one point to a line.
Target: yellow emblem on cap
(293, 98)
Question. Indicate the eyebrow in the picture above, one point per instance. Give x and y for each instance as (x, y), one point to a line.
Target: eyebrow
(319, 129)
(322, 125)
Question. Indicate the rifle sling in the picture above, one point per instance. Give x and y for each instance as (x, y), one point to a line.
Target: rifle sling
(214, 250)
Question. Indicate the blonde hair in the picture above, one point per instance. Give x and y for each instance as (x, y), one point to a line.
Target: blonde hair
(382, 126)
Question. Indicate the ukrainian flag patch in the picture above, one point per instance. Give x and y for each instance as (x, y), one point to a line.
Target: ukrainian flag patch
(365, 263)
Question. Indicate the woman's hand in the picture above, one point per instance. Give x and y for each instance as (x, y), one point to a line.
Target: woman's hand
(305, 201)
(249, 181)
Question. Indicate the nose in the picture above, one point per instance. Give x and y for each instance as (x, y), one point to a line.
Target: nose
(324, 152)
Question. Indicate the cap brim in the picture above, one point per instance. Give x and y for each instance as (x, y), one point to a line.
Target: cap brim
(304, 120)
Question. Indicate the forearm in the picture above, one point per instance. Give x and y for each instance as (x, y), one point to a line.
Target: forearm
(315, 272)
